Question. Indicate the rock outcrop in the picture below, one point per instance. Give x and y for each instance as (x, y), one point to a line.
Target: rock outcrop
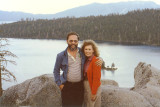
(147, 83)
(39, 91)
(42, 91)
(109, 82)
(121, 97)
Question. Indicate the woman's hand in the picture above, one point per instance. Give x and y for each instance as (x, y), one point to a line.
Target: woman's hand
(93, 97)
(99, 62)
(61, 87)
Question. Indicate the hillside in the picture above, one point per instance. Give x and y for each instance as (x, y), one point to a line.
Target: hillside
(136, 27)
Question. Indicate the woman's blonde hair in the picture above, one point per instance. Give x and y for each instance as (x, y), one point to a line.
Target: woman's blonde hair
(93, 44)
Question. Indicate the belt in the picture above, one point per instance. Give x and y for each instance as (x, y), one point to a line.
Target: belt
(73, 82)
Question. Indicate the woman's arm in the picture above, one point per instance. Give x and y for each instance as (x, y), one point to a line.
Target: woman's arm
(96, 77)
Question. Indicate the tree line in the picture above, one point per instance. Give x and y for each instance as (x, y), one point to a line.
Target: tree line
(135, 27)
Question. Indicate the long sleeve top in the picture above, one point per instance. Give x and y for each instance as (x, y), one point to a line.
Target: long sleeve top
(94, 75)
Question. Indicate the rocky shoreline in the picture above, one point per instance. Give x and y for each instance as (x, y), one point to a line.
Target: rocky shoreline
(42, 91)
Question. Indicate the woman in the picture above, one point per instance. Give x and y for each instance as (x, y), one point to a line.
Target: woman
(92, 75)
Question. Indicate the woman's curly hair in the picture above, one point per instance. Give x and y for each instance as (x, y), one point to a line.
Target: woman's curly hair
(93, 44)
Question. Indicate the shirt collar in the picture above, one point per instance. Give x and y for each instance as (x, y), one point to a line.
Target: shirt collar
(90, 58)
(70, 54)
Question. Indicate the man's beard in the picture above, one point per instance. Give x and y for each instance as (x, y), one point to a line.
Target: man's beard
(72, 49)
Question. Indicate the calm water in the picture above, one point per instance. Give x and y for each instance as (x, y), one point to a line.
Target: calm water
(37, 57)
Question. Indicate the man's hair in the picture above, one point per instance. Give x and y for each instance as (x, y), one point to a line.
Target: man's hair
(93, 44)
(72, 33)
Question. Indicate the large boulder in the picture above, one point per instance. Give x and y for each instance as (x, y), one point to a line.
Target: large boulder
(113, 96)
(39, 91)
(147, 83)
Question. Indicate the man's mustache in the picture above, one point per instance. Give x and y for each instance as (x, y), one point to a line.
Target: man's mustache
(72, 49)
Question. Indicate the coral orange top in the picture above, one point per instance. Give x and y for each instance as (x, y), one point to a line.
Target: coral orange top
(94, 75)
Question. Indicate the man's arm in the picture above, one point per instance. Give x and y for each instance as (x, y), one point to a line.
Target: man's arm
(56, 71)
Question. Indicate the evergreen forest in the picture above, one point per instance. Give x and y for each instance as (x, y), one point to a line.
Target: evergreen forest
(135, 27)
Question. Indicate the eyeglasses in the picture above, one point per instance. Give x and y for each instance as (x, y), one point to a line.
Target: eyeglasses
(75, 41)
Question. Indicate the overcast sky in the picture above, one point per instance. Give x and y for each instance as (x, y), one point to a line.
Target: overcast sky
(50, 6)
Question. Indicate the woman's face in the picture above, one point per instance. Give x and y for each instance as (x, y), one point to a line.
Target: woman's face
(88, 50)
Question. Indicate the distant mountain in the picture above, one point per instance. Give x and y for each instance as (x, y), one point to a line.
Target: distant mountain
(105, 9)
(83, 11)
(16, 16)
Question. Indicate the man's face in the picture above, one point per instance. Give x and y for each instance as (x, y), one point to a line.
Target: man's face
(72, 42)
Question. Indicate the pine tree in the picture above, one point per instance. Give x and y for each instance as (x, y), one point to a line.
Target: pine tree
(5, 74)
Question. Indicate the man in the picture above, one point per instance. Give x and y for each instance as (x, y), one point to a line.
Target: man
(71, 62)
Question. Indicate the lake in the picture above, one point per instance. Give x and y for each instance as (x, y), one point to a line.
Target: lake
(37, 57)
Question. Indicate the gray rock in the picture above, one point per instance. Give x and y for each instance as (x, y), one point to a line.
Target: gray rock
(39, 91)
(109, 82)
(147, 83)
(113, 96)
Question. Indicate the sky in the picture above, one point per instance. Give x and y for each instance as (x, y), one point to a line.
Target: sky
(50, 6)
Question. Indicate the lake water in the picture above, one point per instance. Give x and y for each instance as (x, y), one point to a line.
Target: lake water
(37, 57)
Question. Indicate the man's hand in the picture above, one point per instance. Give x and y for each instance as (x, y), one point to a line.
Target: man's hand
(93, 97)
(61, 87)
(99, 62)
